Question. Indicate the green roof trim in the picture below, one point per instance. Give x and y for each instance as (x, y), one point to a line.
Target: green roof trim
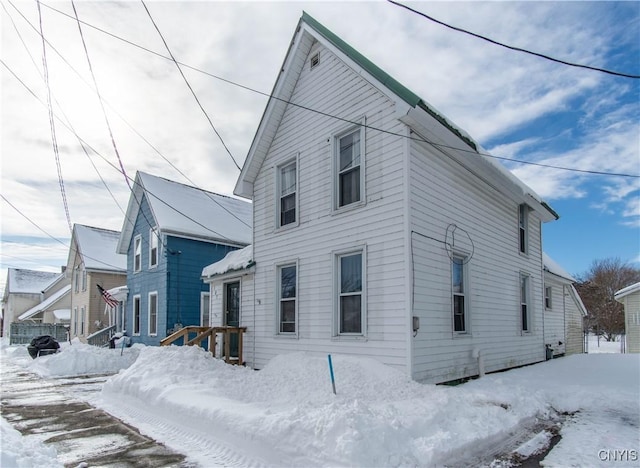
(383, 77)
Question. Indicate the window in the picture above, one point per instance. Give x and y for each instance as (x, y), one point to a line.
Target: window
(459, 287)
(287, 189)
(137, 253)
(204, 309)
(524, 302)
(84, 280)
(548, 293)
(287, 293)
(83, 313)
(153, 313)
(153, 247)
(349, 173)
(350, 297)
(76, 279)
(523, 228)
(75, 321)
(136, 315)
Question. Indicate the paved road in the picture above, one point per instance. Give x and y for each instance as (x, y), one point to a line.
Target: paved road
(53, 411)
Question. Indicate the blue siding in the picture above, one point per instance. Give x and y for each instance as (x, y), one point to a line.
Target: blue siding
(176, 279)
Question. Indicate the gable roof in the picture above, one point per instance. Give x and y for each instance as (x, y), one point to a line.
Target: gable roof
(627, 291)
(47, 303)
(23, 281)
(183, 210)
(97, 248)
(413, 111)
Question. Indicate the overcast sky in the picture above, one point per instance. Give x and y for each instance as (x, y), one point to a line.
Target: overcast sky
(515, 105)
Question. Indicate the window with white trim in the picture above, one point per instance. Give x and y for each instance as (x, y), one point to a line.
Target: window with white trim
(349, 170)
(153, 247)
(83, 318)
(153, 313)
(137, 253)
(525, 312)
(287, 193)
(75, 321)
(459, 289)
(84, 279)
(76, 279)
(350, 307)
(548, 294)
(287, 295)
(136, 315)
(205, 301)
(523, 228)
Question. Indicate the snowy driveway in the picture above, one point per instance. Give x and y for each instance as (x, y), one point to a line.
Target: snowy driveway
(53, 412)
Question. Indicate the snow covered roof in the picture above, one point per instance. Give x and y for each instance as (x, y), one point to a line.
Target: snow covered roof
(552, 267)
(235, 260)
(25, 281)
(119, 293)
(188, 211)
(62, 314)
(626, 291)
(97, 247)
(46, 304)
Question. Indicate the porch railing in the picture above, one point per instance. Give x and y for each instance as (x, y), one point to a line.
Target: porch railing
(101, 337)
(194, 335)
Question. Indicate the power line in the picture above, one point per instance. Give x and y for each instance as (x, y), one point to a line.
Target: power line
(189, 85)
(82, 143)
(117, 169)
(518, 49)
(421, 139)
(97, 90)
(52, 124)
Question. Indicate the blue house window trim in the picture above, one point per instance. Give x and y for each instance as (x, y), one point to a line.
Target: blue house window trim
(154, 247)
(153, 313)
(137, 253)
(136, 315)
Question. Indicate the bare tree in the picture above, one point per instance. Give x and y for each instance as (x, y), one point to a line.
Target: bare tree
(597, 287)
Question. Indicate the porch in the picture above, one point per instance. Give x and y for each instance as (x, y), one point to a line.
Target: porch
(231, 344)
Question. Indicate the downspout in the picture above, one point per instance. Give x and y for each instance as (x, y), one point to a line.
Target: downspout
(478, 354)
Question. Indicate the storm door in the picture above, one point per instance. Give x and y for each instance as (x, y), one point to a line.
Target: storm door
(232, 313)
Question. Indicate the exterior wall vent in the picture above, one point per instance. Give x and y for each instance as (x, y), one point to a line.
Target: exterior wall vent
(315, 60)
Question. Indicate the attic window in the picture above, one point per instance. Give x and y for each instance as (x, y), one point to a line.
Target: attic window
(315, 60)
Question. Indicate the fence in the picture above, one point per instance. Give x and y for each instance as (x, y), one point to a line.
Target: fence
(101, 337)
(23, 333)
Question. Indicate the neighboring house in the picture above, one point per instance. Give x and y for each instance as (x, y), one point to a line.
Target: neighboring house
(629, 297)
(380, 228)
(564, 311)
(171, 232)
(24, 290)
(92, 261)
(55, 305)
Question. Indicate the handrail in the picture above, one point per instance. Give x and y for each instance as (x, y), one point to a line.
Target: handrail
(101, 337)
(202, 333)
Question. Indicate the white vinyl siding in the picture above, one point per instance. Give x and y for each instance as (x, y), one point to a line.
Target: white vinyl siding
(438, 184)
(322, 230)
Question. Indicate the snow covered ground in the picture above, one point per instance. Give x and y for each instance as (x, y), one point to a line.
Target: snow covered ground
(287, 414)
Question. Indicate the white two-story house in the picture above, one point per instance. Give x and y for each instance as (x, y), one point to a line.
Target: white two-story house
(380, 228)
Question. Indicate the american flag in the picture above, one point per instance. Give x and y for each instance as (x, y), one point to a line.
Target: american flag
(108, 298)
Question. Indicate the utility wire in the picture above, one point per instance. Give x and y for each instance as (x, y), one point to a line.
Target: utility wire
(97, 90)
(300, 106)
(156, 150)
(82, 145)
(52, 237)
(163, 201)
(518, 49)
(52, 124)
(189, 85)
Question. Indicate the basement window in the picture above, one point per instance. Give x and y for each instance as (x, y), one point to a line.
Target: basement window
(315, 60)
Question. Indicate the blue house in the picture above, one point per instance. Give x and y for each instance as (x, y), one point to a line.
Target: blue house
(171, 231)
